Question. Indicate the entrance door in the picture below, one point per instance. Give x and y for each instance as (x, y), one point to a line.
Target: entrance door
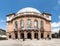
(29, 35)
(22, 35)
(48, 36)
(36, 35)
(16, 35)
(10, 36)
(42, 35)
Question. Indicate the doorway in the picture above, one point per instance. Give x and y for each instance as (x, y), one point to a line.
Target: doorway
(42, 35)
(29, 35)
(48, 36)
(10, 36)
(36, 35)
(16, 35)
(22, 35)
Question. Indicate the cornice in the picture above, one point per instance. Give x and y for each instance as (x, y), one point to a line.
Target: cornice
(29, 15)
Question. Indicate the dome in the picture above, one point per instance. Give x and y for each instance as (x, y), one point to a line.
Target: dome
(28, 9)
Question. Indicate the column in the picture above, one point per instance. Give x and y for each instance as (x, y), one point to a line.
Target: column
(50, 35)
(13, 35)
(32, 35)
(45, 35)
(25, 35)
(39, 35)
(7, 35)
(18, 35)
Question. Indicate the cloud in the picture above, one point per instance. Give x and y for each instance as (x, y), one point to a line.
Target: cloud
(55, 30)
(55, 27)
(59, 17)
(1, 21)
(58, 2)
(56, 8)
(55, 24)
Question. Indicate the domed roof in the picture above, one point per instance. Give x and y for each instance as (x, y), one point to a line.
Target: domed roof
(28, 9)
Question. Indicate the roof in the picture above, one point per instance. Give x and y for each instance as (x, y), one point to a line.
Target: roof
(28, 9)
(46, 13)
(11, 14)
(2, 30)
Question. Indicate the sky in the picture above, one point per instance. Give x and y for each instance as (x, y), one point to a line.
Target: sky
(13, 6)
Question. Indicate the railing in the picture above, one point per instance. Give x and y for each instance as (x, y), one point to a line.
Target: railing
(15, 29)
(28, 28)
(42, 29)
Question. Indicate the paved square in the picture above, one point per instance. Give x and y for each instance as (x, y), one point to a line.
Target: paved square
(53, 42)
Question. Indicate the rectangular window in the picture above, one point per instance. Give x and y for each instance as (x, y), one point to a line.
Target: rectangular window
(35, 24)
(29, 24)
(16, 25)
(22, 24)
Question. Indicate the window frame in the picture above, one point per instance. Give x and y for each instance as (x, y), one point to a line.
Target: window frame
(28, 26)
(22, 23)
(42, 24)
(16, 24)
(36, 21)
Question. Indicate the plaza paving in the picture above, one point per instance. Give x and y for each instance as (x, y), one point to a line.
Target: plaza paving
(41, 42)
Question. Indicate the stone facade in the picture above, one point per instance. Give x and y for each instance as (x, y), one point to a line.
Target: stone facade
(2, 32)
(25, 32)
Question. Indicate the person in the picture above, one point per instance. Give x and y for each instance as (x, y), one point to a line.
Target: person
(23, 39)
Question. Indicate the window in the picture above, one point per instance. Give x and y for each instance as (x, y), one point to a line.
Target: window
(42, 24)
(16, 24)
(35, 24)
(22, 24)
(29, 23)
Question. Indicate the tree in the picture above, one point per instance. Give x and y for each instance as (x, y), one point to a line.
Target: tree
(59, 33)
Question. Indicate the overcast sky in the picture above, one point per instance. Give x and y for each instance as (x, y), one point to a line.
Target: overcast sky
(13, 6)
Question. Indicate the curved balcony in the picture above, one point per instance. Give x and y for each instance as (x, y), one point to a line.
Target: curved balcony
(42, 29)
(27, 29)
(15, 29)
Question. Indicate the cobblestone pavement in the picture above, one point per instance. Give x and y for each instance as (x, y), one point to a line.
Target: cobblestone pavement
(52, 42)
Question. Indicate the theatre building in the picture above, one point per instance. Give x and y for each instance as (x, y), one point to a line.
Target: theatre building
(28, 23)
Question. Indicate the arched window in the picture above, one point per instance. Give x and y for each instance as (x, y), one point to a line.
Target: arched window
(42, 24)
(29, 23)
(16, 24)
(35, 24)
(22, 24)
